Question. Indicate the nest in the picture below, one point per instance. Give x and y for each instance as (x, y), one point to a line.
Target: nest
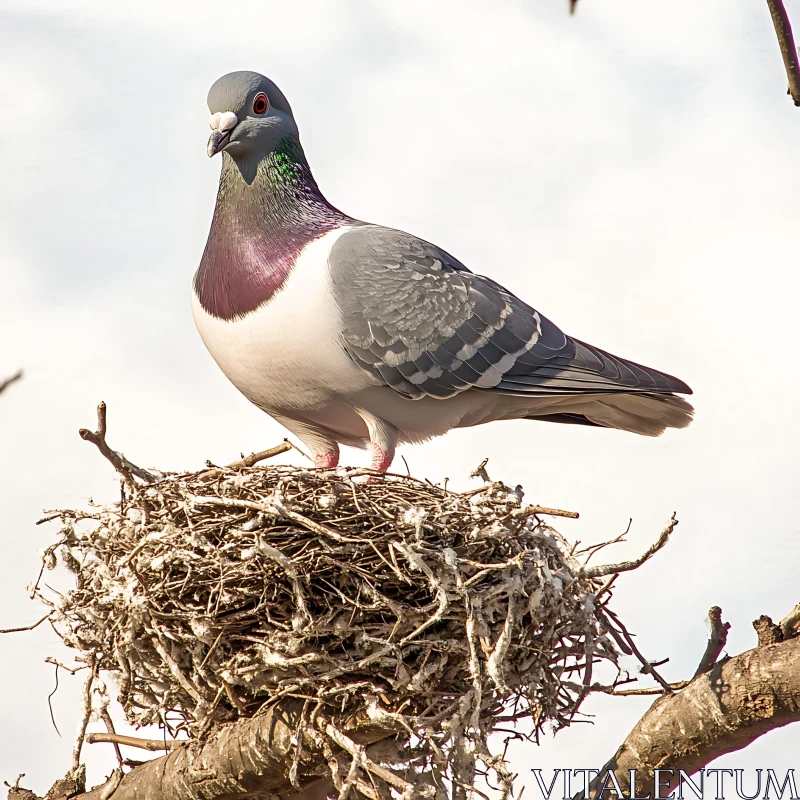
(211, 596)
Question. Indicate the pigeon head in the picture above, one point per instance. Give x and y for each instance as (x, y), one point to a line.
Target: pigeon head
(249, 117)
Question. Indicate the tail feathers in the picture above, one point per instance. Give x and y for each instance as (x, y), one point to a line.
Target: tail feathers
(645, 414)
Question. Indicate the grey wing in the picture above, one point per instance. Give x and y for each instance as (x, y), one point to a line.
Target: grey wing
(422, 323)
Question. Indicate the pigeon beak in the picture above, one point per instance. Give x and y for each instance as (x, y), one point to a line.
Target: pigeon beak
(217, 142)
(222, 125)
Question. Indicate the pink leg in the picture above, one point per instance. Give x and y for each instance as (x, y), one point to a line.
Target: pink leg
(327, 460)
(322, 448)
(381, 460)
(382, 440)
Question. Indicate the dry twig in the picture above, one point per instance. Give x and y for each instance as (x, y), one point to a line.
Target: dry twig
(251, 460)
(27, 627)
(4, 384)
(133, 741)
(121, 464)
(625, 566)
(87, 713)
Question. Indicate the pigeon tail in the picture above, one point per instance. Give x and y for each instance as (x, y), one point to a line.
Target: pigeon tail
(645, 414)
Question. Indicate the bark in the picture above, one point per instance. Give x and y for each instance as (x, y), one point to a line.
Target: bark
(719, 712)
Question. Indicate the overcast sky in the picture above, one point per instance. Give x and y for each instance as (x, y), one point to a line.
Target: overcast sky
(633, 172)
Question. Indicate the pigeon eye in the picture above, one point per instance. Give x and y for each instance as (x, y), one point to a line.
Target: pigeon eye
(260, 103)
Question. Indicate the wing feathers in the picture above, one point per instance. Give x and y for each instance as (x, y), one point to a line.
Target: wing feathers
(418, 320)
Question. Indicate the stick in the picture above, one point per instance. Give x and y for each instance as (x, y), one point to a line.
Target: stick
(87, 713)
(254, 458)
(716, 640)
(27, 627)
(652, 690)
(647, 668)
(480, 471)
(550, 512)
(251, 460)
(783, 29)
(626, 566)
(8, 381)
(109, 723)
(132, 741)
(71, 670)
(121, 464)
(358, 752)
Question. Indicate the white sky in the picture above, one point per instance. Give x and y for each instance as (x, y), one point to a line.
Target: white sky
(632, 172)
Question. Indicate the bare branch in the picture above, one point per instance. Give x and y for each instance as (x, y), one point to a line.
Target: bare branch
(783, 29)
(4, 384)
(27, 627)
(109, 723)
(480, 471)
(625, 566)
(87, 713)
(716, 640)
(71, 670)
(251, 460)
(645, 691)
(254, 458)
(121, 464)
(623, 636)
(529, 511)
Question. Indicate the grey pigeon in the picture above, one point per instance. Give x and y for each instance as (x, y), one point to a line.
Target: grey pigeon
(352, 333)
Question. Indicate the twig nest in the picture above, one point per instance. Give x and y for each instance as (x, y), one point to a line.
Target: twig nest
(212, 595)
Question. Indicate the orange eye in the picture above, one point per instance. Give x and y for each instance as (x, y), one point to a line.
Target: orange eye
(260, 103)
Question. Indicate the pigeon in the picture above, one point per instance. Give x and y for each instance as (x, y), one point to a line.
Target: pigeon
(350, 333)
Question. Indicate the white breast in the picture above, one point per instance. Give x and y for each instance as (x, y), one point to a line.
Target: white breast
(286, 355)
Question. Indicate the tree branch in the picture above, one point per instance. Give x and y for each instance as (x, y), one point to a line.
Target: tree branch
(4, 384)
(121, 464)
(625, 566)
(783, 29)
(719, 712)
(529, 511)
(28, 627)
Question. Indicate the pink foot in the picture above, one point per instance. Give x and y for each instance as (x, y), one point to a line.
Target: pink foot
(327, 460)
